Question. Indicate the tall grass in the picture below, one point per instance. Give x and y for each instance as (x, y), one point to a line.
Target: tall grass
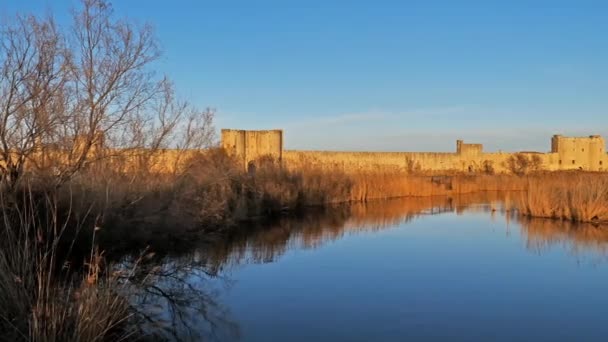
(577, 197)
(381, 185)
(41, 297)
(310, 185)
(573, 196)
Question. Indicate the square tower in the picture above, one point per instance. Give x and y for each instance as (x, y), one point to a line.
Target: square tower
(248, 146)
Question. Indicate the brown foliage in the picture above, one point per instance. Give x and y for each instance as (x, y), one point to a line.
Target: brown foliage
(522, 164)
(71, 98)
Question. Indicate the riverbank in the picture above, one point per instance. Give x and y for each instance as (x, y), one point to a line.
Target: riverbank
(366, 230)
(99, 216)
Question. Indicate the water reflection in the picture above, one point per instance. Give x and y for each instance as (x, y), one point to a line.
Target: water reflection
(175, 298)
(264, 243)
(180, 295)
(542, 234)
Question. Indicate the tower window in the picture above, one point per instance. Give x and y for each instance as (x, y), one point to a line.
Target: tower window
(560, 162)
(573, 162)
(583, 150)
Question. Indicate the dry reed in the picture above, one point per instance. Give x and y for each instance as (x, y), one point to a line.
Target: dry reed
(41, 298)
(573, 196)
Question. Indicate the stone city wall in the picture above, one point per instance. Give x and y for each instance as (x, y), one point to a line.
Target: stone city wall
(567, 153)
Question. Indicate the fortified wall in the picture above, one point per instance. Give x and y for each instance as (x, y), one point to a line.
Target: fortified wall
(567, 153)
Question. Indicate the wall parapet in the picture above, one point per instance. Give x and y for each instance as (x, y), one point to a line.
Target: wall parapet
(567, 153)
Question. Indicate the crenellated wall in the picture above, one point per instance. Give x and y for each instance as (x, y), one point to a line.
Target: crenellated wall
(567, 153)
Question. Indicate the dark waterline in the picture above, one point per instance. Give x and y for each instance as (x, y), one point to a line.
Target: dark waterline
(430, 269)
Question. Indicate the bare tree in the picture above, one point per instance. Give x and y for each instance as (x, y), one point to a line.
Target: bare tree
(67, 94)
(110, 81)
(33, 62)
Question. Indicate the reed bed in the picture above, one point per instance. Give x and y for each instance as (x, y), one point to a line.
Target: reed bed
(572, 196)
(381, 185)
(42, 296)
(105, 210)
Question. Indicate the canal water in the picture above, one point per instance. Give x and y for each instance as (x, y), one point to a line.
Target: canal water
(431, 269)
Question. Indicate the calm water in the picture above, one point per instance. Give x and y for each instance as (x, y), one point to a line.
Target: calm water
(418, 269)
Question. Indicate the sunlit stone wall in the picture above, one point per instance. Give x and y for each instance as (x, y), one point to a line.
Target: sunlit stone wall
(567, 153)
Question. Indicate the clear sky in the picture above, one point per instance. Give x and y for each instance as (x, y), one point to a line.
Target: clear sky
(385, 75)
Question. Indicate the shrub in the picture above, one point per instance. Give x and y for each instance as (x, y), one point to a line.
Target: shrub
(522, 164)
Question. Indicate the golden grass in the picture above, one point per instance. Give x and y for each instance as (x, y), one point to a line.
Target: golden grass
(575, 196)
(381, 185)
(284, 188)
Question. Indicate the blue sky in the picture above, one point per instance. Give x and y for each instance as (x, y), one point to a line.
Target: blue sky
(385, 75)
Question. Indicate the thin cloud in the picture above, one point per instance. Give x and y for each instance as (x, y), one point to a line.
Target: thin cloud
(338, 120)
(375, 115)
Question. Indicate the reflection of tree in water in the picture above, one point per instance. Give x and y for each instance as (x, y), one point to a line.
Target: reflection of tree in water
(177, 299)
(542, 234)
(178, 296)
